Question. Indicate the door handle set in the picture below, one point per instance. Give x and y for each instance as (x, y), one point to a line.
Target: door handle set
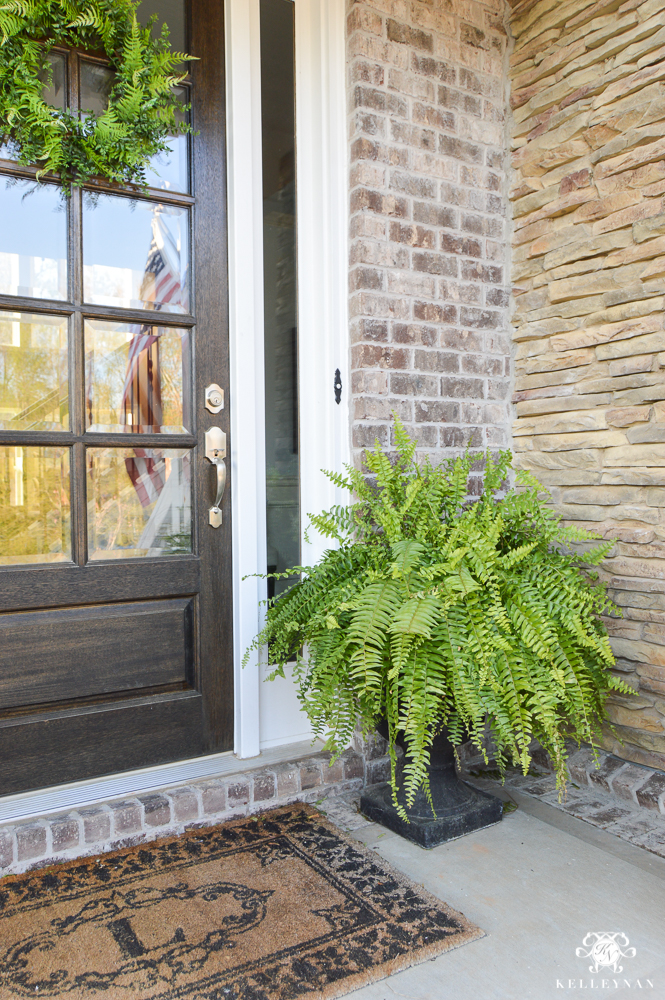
(215, 442)
(215, 439)
(215, 452)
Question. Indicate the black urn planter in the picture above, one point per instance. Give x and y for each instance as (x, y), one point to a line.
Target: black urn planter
(459, 808)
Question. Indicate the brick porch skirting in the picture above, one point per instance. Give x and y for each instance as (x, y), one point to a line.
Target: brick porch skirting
(624, 799)
(107, 826)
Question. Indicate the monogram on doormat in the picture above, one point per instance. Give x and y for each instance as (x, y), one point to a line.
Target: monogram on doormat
(265, 909)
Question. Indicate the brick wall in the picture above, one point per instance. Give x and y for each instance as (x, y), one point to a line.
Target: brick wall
(588, 99)
(428, 222)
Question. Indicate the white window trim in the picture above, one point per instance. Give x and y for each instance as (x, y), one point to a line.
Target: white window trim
(322, 219)
(322, 163)
(247, 439)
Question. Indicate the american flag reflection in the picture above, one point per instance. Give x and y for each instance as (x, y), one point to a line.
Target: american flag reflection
(165, 283)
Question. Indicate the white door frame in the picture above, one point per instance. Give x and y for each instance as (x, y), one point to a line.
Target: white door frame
(322, 218)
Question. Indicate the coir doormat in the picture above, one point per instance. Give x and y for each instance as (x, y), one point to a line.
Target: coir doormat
(274, 908)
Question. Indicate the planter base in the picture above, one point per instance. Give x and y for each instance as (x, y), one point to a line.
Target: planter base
(459, 810)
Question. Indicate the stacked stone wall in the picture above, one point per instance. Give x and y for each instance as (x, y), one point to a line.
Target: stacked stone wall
(588, 197)
(429, 321)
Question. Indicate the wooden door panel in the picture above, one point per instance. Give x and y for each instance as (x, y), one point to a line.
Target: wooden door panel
(98, 583)
(122, 659)
(48, 748)
(54, 656)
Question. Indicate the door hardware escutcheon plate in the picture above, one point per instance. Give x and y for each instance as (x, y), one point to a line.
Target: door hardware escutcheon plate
(215, 452)
(214, 398)
(215, 517)
(215, 439)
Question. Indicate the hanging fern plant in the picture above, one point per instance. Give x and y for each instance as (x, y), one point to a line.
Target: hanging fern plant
(433, 611)
(143, 108)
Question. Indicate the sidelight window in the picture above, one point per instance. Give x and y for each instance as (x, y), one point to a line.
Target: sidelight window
(279, 269)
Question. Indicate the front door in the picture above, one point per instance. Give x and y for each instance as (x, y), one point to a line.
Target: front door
(115, 599)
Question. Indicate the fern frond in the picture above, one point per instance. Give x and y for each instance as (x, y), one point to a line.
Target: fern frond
(437, 611)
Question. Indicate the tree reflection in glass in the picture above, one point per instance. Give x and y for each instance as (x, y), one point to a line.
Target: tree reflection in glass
(34, 384)
(34, 505)
(139, 502)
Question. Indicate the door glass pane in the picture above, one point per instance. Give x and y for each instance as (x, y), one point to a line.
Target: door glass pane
(54, 91)
(170, 170)
(96, 83)
(33, 240)
(279, 263)
(135, 254)
(171, 12)
(135, 376)
(34, 384)
(139, 502)
(34, 505)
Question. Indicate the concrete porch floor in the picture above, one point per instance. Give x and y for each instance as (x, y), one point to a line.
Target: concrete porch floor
(536, 883)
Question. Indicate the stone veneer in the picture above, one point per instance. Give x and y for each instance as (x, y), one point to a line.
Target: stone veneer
(588, 187)
(108, 826)
(428, 245)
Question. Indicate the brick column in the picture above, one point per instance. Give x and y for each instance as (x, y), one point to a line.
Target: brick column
(428, 304)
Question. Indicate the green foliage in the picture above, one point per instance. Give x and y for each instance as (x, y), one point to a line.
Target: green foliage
(143, 109)
(434, 610)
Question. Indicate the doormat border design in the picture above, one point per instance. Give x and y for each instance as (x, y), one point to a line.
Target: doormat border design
(392, 923)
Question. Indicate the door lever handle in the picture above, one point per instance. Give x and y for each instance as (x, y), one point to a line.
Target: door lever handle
(215, 443)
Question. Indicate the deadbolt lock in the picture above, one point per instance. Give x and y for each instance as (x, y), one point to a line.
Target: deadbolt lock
(214, 398)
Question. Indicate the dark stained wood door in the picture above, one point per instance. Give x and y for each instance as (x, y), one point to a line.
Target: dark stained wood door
(115, 591)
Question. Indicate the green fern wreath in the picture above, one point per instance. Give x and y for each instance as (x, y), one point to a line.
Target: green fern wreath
(143, 106)
(434, 611)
